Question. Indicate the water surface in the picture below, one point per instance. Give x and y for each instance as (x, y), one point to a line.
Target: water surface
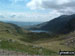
(39, 31)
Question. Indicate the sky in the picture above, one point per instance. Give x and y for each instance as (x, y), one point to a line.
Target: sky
(35, 10)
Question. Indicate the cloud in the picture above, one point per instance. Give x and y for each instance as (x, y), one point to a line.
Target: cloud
(29, 17)
(62, 6)
(1, 16)
(12, 16)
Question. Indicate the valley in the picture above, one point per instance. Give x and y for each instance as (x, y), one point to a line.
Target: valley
(38, 39)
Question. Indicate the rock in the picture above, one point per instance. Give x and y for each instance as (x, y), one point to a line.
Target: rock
(67, 44)
(36, 46)
(11, 40)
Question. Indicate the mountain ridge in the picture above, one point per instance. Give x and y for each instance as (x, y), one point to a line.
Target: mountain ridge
(57, 25)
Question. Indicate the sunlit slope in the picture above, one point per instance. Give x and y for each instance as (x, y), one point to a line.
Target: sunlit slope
(64, 42)
(11, 38)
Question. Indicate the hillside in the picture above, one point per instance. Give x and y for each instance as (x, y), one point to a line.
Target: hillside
(10, 28)
(58, 25)
(65, 42)
(14, 38)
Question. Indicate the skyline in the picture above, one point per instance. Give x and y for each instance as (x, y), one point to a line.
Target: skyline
(34, 10)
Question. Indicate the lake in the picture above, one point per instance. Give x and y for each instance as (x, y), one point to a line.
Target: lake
(39, 31)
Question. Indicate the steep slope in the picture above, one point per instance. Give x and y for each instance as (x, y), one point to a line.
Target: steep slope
(58, 25)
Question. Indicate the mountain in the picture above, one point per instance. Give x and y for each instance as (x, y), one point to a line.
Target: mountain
(23, 24)
(63, 24)
(15, 38)
(7, 30)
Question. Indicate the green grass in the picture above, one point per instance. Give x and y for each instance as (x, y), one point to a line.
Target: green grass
(50, 46)
(25, 40)
(33, 37)
(24, 48)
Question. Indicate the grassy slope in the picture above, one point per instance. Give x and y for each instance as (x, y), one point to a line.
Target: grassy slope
(10, 38)
(25, 41)
(59, 42)
(53, 43)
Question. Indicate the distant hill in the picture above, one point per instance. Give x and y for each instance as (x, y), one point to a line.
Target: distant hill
(62, 24)
(23, 24)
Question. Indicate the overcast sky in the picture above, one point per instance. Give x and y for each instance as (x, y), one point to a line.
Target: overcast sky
(35, 10)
